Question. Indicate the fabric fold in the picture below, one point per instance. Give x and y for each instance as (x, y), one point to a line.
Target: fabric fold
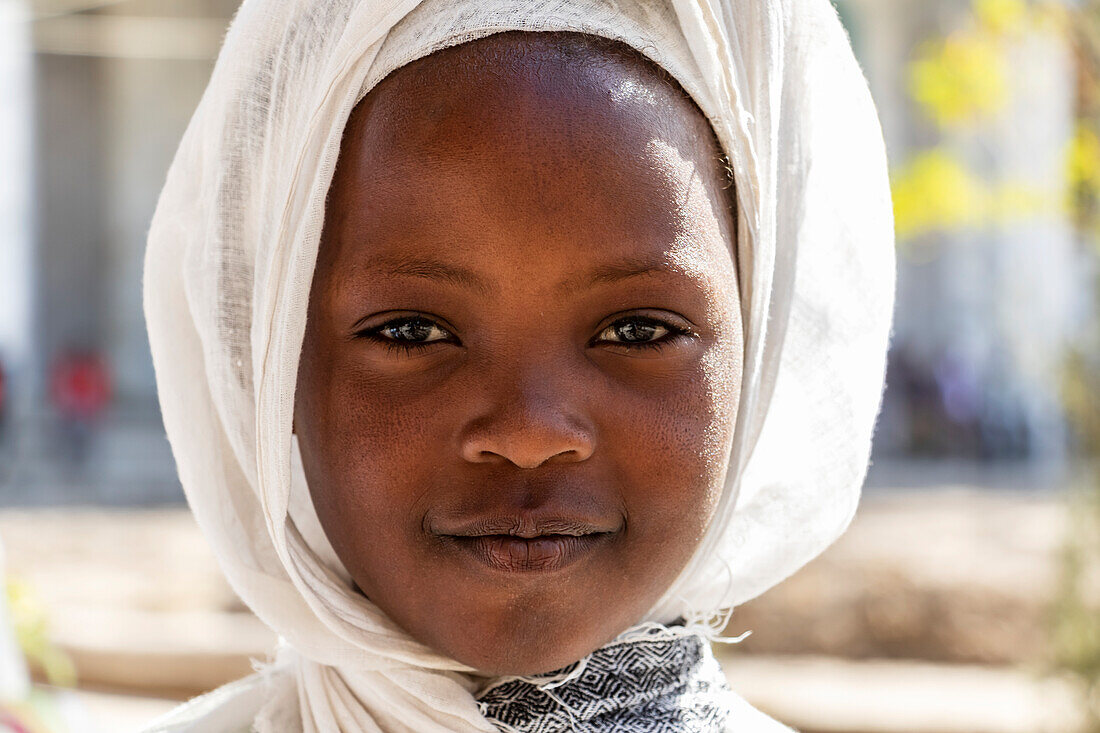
(230, 259)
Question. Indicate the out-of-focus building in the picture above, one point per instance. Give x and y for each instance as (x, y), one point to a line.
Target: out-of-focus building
(98, 92)
(16, 235)
(107, 87)
(984, 314)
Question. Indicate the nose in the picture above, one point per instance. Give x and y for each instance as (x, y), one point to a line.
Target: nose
(529, 425)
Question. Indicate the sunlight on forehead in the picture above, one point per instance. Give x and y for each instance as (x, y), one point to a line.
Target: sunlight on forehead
(677, 263)
(628, 89)
(699, 229)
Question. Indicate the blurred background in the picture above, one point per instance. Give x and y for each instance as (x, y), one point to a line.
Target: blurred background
(966, 596)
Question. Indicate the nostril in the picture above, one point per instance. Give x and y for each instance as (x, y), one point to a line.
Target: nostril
(527, 452)
(524, 461)
(527, 433)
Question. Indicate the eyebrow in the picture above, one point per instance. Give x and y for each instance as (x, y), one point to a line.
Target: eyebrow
(610, 273)
(618, 271)
(429, 269)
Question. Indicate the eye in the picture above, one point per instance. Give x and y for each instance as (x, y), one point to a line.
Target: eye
(409, 333)
(639, 331)
(415, 329)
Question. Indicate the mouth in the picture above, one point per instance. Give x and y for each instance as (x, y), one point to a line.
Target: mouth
(521, 545)
(541, 554)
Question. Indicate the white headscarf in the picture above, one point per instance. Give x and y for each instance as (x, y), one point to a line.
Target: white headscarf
(230, 261)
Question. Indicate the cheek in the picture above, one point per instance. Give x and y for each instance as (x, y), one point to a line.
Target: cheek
(669, 444)
(380, 449)
(369, 447)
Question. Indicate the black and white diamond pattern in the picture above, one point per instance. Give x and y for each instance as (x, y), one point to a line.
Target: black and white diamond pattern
(667, 684)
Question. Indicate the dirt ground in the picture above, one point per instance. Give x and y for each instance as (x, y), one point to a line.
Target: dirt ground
(941, 590)
(944, 575)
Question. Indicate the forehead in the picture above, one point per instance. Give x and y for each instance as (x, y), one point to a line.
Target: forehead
(525, 140)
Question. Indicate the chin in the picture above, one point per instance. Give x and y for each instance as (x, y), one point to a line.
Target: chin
(532, 645)
(505, 659)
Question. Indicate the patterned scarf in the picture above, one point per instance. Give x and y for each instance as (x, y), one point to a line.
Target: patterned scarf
(665, 682)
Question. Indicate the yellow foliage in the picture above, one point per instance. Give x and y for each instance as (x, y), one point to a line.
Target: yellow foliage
(1016, 201)
(964, 78)
(30, 620)
(32, 716)
(934, 192)
(1050, 17)
(1083, 179)
(1004, 17)
(1083, 159)
(960, 79)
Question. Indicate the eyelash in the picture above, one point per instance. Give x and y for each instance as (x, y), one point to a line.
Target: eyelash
(674, 333)
(405, 346)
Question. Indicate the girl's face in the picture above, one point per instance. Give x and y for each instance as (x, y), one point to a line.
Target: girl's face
(523, 351)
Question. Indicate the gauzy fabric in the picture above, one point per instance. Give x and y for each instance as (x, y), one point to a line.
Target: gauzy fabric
(230, 260)
(656, 680)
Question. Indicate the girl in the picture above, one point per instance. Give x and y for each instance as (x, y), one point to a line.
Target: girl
(505, 346)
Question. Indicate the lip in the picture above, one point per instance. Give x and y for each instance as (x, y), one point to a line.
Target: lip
(523, 525)
(530, 541)
(543, 553)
